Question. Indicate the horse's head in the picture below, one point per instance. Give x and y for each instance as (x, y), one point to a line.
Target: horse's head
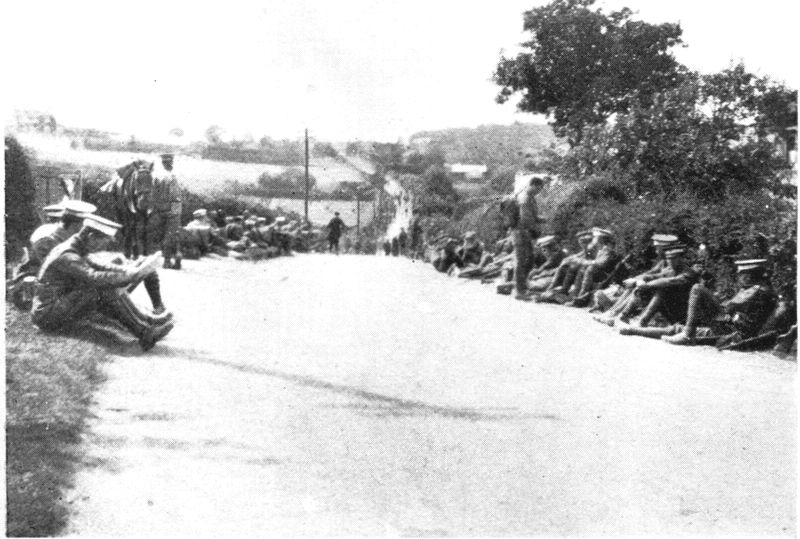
(137, 185)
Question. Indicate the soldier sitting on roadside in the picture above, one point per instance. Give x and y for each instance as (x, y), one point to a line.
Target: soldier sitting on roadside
(447, 256)
(470, 251)
(72, 286)
(541, 276)
(670, 293)
(68, 220)
(233, 230)
(741, 317)
(199, 232)
(567, 271)
(596, 269)
(621, 298)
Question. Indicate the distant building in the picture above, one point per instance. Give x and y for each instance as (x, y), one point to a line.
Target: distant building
(463, 172)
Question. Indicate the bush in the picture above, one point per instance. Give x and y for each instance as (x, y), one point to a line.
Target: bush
(745, 225)
(21, 217)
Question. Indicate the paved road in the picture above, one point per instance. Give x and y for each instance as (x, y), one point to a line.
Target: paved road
(367, 395)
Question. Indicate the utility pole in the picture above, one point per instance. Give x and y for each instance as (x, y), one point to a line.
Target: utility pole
(358, 214)
(307, 187)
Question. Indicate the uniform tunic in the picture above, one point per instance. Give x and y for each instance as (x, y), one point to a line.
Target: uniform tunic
(71, 286)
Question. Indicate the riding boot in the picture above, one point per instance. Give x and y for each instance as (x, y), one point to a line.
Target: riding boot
(153, 286)
(156, 319)
(651, 310)
(115, 306)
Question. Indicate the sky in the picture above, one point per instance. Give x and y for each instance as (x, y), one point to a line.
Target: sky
(345, 69)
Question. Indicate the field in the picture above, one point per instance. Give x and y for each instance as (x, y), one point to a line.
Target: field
(197, 175)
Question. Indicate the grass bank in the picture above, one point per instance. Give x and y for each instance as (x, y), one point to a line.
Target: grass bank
(49, 384)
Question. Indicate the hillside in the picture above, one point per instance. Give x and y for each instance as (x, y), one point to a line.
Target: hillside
(494, 145)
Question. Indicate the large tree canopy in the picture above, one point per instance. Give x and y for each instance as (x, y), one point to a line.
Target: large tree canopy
(581, 64)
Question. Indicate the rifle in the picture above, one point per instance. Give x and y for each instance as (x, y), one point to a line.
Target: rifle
(614, 273)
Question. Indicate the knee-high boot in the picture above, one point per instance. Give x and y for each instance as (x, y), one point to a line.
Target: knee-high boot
(116, 306)
(153, 286)
(156, 319)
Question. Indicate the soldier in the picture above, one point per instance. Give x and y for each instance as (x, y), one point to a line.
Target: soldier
(199, 230)
(541, 276)
(71, 286)
(68, 216)
(565, 275)
(471, 251)
(670, 292)
(168, 206)
(335, 228)
(520, 213)
(402, 241)
(233, 228)
(415, 235)
(627, 301)
(594, 269)
(447, 257)
(741, 317)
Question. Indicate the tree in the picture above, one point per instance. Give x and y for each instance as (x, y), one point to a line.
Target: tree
(214, 134)
(581, 65)
(710, 136)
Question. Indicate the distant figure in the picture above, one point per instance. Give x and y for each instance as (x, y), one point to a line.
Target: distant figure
(221, 219)
(402, 241)
(387, 248)
(416, 235)
(335, 228)
(395, 246)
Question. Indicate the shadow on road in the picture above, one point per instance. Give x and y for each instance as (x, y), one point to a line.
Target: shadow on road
(390, 406)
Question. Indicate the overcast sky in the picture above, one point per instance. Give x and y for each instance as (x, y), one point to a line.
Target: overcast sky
(346, 69)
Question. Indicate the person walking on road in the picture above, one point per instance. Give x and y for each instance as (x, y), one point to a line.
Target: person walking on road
(335, 228)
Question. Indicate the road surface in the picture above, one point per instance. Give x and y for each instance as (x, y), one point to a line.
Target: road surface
(357, 395)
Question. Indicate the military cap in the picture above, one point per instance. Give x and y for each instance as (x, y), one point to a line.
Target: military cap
(675, 250)
(600, 232)
(546, 240)
(659, 240)
(260, 220)
(238, 218)
(229, 219)
(583, 234)
(750, 265)
(167, 155)
(101, 224)
(280, 219)
(200, 213)
(77, 208)
(469, 235)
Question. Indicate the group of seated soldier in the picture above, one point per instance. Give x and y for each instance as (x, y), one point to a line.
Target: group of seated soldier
(454, 256)
(240, 234)
(69, 274)
(673, 300)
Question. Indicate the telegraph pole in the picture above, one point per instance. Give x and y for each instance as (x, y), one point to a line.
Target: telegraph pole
(307, 187)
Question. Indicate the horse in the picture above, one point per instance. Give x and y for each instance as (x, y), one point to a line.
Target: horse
(131, 190)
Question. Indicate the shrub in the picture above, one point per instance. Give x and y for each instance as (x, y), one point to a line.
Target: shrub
(21, 217)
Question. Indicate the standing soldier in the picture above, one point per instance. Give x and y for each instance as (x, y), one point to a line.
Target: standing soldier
(520, 214)
(415, 235)
(335, 228)
(168, 206)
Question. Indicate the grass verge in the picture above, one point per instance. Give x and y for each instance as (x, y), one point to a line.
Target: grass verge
(49, 384)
